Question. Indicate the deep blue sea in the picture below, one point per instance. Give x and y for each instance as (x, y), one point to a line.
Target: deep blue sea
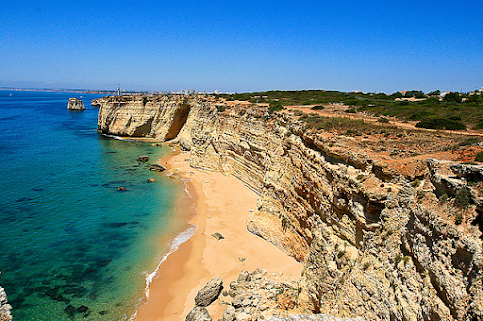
(73, 247)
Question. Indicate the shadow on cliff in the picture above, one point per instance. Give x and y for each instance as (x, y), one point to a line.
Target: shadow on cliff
(479, 221)
(179, 120)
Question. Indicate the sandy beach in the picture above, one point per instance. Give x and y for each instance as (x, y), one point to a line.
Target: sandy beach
(222, 205)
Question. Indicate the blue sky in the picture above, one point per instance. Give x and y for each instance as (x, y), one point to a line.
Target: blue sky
(243, 45)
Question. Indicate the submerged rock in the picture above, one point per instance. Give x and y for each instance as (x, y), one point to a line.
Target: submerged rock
(70, 310)
(75, 104)
(151, 180)
(82, 309)
(198, 314)
(121, 189)
(157, 168)
(209, 293)
(143, 158)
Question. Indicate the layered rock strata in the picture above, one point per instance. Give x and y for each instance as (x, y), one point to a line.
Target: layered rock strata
(377, 242)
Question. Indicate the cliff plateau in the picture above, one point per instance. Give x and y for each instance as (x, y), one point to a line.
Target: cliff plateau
(383, 238)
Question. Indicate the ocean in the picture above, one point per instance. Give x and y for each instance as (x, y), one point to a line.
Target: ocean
(73, 247)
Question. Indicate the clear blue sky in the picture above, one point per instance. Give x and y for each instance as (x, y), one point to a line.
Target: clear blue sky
(243, 45)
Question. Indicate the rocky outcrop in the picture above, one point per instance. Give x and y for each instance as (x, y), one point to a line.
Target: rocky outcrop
(209, 293)
(311, 317)
(4, 306)
(162, 117)
(377, 242)
(198, 314)
(75, 104)
(143, 158)
(156, 168)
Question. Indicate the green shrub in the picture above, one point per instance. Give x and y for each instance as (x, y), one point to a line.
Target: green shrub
(383, 120)
(318, 107)
(298, 112)
(458, 218)
(479, 157)
(441, 123)
(463, 198)
(275, 106)
(469, 141)
(415, 183)
(221, 109)
(479, 125)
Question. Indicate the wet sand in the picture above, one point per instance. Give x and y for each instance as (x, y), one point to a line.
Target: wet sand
(222, 205)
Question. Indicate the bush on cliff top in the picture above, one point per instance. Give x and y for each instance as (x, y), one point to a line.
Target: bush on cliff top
(441, 123)
(275, 106)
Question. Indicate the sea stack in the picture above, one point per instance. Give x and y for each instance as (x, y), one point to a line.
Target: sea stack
(75, 104)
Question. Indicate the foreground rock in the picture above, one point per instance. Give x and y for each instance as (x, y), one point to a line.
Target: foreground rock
(157, 168)
(75, 104)
(209, 293)
(4, 306)
(198, 314)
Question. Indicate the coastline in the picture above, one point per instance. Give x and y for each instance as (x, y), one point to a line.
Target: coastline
(222, 205)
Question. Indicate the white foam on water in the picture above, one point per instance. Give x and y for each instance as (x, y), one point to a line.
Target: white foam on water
(173, 247)
(118, 138)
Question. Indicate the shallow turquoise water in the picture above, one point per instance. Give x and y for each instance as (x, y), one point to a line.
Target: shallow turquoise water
(69, 239)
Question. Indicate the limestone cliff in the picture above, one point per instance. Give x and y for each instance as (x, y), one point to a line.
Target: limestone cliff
(377, 241)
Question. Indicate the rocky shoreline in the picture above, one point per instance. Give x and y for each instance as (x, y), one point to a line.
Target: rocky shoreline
(4, 306)
(381, 237)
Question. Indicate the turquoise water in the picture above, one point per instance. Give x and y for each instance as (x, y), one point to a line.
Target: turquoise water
(72, 245)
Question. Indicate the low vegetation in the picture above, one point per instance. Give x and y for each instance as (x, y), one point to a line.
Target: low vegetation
(451, 111)
(441, 123)
(347, 126)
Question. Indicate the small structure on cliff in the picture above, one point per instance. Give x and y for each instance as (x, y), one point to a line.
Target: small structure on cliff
(75, 104)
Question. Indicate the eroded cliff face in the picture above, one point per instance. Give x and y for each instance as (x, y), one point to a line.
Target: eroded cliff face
(375, 242)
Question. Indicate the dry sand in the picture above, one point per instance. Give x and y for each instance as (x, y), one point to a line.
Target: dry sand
(222, 205)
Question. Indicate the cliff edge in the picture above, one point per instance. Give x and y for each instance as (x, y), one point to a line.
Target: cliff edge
(385, 233)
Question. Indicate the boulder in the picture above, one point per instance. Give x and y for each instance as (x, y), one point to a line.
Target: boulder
(218, 236)
(151, 180)
(209, 293)
(75, 104)
(143, 158)
(229, 314)
(244, 276)
(121, 189)
(198, 314)
(157, 168)
(4, 307)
